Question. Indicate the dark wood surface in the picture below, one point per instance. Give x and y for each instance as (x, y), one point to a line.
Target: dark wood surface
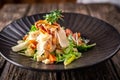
(107, 70)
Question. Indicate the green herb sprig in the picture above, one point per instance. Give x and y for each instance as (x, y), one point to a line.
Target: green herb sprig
(53, 16)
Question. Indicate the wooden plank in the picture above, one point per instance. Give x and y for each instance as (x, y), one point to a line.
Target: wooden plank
(100, 11)
(102, 71)
(41, 8)
(99, 72)
(11, 12)
(77, 8)
(2, 64)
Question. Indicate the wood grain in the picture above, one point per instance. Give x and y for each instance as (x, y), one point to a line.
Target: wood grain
(107, 70)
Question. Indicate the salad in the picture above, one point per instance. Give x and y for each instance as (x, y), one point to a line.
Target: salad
(50, 43)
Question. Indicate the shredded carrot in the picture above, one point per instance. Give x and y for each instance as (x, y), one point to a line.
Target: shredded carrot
(33, 43)
(40, 24)
(52, 58)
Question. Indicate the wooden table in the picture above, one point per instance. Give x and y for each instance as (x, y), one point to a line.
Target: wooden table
(107, 70)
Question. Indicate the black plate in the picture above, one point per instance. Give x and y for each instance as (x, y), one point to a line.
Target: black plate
(98, 31)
